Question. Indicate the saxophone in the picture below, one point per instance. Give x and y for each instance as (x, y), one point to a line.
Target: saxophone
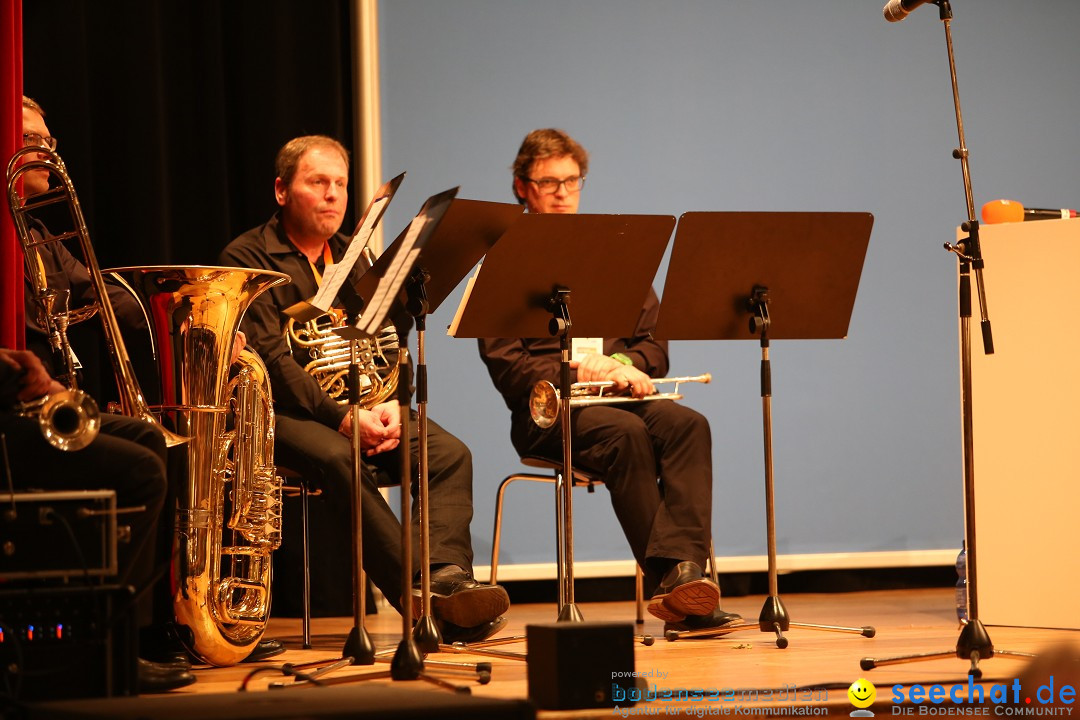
(228, 517)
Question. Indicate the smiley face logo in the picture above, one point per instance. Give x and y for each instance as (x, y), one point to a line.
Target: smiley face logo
(862, 693)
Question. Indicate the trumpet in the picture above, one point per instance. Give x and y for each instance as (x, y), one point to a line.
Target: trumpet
(544, 400)
(69, 419)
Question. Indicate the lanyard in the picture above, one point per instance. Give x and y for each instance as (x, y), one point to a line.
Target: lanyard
(328, 259)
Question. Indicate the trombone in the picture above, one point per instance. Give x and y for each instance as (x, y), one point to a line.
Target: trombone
(544, 401)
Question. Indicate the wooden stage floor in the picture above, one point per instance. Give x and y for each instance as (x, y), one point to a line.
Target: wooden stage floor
(907, 621)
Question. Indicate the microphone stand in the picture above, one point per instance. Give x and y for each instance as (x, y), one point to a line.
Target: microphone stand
(974, 643)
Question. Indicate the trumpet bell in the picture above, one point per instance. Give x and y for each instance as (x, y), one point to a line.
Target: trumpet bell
(544, 404)
(69, 420)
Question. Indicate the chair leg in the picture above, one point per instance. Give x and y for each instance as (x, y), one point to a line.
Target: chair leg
(306, 549)
(639, 595)
(496, 537)
(712, 564)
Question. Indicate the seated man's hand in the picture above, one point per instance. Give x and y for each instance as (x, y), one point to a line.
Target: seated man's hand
(35, 381)
(596, 367)
(239, 343)
(389, 415)
(378, 429)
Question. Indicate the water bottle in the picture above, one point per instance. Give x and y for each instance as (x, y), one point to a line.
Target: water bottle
(961, 584)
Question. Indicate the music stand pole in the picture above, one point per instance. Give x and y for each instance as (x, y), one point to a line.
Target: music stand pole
(561, 325)
(358, 644)
(974, 643)
(426, 632)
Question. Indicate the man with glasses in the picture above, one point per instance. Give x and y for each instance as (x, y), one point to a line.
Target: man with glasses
(128, 455)
(63, 271)
(632, 445)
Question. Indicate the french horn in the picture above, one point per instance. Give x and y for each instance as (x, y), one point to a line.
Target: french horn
(328, 354)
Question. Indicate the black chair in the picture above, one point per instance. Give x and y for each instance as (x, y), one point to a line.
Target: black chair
(294, 484)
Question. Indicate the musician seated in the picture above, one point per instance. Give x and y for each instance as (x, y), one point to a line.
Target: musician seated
(314, 429)
(655, 458)
(61, 271)
(127, 456)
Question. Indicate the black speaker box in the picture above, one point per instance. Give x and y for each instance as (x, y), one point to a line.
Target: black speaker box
(67, 642)
(576, 665)
(362, 700)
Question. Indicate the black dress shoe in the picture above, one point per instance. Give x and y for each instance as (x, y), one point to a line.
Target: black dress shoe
(155, 678)
(457, 598)
(684, 591)
(452, 633)
(716, 619)
(160, 645)
(264, 650)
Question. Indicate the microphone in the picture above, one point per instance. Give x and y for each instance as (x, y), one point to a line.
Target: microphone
(897, 10)
(1006, 211)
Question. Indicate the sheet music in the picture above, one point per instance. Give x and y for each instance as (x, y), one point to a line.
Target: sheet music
(402, 264)
(334, 275)
(451, 329)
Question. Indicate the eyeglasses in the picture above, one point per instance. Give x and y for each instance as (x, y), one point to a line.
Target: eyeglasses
(550, 185)
(33, 139)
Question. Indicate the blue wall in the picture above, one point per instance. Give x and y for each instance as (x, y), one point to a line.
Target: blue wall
(774, 105)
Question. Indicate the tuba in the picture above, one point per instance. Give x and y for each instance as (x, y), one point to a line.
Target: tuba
(329, 354)
(221, 568)
(228, 519)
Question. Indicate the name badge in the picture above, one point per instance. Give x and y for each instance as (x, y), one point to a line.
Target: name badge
(580, 347)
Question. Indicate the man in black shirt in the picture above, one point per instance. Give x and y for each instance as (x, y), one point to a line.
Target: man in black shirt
(314, 430)
(668, 523)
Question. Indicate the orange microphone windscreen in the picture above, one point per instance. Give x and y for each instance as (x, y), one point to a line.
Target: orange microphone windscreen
(1002, 211)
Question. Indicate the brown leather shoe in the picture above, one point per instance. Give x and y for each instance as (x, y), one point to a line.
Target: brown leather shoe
(684, 591)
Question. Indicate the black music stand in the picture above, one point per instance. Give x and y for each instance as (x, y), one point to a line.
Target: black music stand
(606, 263)
(726, 270)
(467, 230)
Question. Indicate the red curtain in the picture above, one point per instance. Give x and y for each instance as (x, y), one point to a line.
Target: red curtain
(12, 328)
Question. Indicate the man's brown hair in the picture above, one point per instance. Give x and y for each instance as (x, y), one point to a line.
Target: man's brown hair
(288, 157)
(545, 143)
